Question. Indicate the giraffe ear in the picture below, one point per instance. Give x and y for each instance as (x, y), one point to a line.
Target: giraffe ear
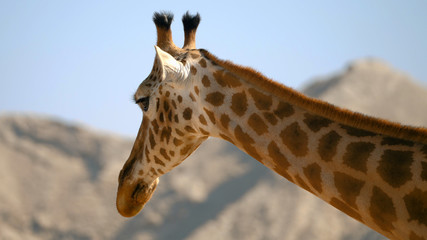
(171, 68)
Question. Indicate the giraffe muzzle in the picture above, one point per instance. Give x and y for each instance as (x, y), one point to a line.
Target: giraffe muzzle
(131, 198)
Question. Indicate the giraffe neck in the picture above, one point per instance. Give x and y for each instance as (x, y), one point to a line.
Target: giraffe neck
(377, 179)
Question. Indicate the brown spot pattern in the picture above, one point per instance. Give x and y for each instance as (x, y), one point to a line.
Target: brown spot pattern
(153, 171)
(157, 104)
(196, 90)
(277, 156)
(211, 115)
(147, 157)
(177, 142)
(348, 187)
(243, 137)
(170, 116)
(151, 139)
(239, 103)
(225, 120)
(246, 142)
(219, 79)
(355, 132)
(202, 120)
(155, 126)
(232, 80)
(164, 154)
(226, 79)
(315, 123)
(194, 55)
(158, 161)
(206, 82)
(189, 129)
(225, 137)
(394, 167)
(295, 139)
(302, 184)
(165, 105)
(179, 132)
(262, 101)
(257, 124)
(284, 110)
(192, 97)
(193, 70)
(187, 113)
(185, 150)
(416, 203)
(283, 172)
(215, 98)
(382, 210)
(161, 117)
(202, 63)
(346, 209)
(179, 98)
(270, 117)
(357, 154)
(312, 173)
(396, 141)
(328, 146)
(165, 134)
(203, 131)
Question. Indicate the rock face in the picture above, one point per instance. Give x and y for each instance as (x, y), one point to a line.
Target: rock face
(59, 181)
(373, 87)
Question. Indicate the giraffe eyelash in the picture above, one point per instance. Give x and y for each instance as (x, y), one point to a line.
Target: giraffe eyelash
(145, 101)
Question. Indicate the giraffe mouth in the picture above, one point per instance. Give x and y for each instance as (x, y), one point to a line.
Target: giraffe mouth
(131, 198)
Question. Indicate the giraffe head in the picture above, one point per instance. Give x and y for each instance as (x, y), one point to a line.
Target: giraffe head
(167, 135)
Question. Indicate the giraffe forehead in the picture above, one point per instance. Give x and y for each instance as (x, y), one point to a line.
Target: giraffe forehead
(152, 82)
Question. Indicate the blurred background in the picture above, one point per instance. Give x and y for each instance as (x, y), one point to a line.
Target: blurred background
(82, 60)
(68, 70)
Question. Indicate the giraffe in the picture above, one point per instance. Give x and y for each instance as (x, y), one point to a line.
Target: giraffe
(373, 170)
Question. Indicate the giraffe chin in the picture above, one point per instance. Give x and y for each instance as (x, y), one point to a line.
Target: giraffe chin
(131, 198)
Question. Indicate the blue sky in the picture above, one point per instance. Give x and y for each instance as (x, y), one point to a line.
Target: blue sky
(82, 60)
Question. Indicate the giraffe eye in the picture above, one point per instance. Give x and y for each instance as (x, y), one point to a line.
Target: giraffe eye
(145, 101)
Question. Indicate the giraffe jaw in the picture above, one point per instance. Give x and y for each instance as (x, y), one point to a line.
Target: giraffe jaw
(131, 198)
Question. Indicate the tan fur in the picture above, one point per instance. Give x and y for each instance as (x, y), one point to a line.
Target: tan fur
(190, 40)
(165, 42)
(322, 108)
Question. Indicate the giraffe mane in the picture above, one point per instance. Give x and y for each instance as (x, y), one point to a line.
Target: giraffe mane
(322, 108)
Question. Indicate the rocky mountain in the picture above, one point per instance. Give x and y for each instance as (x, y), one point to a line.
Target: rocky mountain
(373, 87)
(58, 180)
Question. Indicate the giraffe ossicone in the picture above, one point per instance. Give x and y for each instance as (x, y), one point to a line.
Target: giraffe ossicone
(373, 170)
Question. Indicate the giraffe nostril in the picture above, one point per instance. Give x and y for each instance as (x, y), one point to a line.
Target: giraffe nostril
(139, 188)
(142, 192)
